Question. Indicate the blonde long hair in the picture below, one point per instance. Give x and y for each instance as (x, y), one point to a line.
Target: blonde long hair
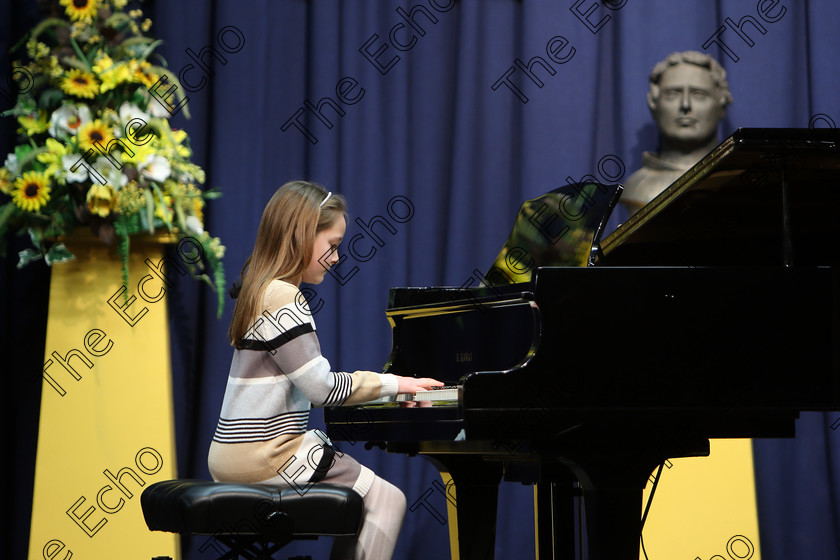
(283, 249)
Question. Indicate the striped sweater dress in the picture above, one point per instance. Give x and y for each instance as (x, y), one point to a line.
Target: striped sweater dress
(276, 376)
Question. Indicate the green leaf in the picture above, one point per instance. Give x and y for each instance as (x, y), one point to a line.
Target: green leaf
(21, 151)
(77, 64)
(6, 213)
(145, 54)
(37, 237)
(123, 229)
(164, 210)
(58, 253)
(150, 210)
(117, 19)
(25, 106)
(81, 54)
(50, 98)
(179, 213)
(27, 256)
(43, 26)
(29, 156)
(140, 41)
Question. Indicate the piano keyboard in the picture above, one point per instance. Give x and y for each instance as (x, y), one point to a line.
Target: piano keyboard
(447, 393)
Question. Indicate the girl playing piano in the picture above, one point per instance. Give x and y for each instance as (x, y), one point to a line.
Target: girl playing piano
(278, 372)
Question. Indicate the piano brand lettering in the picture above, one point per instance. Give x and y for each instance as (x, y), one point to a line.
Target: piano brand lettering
(738, 547)
(403, 36)
(14, 88)
(763, 9)
(400, 209)
(110, 498)
(229, 39)
(555, 47)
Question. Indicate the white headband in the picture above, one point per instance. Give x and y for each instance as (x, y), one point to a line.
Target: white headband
(329, 194)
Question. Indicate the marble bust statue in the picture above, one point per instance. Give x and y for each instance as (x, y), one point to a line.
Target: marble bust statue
(688, 97)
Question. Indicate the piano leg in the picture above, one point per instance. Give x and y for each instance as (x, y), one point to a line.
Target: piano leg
(612, 502)
(476, 501)
(613, 522)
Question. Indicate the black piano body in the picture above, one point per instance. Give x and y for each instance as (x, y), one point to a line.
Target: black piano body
(713, 312)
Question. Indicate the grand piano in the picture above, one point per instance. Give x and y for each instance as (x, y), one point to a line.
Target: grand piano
(580, 364)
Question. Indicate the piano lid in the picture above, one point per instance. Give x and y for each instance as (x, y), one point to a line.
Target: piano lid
(762, 197)
(558, 228)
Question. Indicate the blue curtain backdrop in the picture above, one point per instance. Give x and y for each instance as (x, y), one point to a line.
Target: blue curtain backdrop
(453, 113)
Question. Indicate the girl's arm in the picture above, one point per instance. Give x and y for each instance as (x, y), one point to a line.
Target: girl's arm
(289, 340)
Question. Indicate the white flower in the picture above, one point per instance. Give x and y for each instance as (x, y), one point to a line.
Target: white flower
(110, 173)
(11, 163)
(156, 109)
(129, 111)
(78, 176)
(136, 117)
(68, 119)
(193, 224)
(155, 168)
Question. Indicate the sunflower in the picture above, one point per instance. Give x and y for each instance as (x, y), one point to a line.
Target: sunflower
(80, 84)
(31, 191)
(142, 72)
(112, 74)
(80, 10)
(94, 131)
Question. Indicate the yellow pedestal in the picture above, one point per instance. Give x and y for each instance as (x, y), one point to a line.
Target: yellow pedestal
(107, 425)
(704, 507)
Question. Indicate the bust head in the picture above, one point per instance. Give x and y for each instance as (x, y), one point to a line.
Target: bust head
(688, 97)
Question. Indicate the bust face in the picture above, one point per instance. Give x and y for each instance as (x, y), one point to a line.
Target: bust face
(688, 107)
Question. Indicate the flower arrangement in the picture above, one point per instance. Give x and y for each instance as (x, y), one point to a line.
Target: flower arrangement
(96, 148)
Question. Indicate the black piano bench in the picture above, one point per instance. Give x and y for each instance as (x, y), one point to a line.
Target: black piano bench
(253, 521)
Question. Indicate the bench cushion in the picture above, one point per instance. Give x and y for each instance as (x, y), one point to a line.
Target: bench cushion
(220, 508)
